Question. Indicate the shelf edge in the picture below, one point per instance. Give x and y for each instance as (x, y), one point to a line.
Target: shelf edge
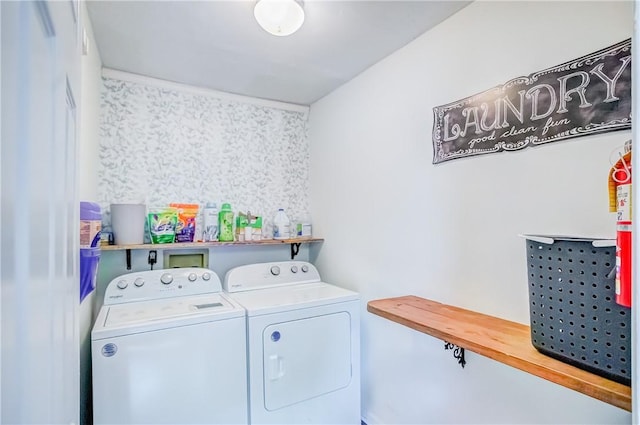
(196, 245)
(565, 375)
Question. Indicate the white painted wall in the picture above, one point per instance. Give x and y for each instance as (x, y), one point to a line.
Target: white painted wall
(88, 190)
(400, 225)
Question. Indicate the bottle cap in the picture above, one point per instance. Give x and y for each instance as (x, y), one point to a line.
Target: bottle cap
(211, 205)
(226, 206)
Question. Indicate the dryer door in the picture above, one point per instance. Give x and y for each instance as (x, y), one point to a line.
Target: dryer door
(306, 358)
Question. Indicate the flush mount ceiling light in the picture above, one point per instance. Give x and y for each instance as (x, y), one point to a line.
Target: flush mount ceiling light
(279, 17)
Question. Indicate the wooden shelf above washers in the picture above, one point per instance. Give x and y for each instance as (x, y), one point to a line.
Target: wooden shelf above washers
(294, 242)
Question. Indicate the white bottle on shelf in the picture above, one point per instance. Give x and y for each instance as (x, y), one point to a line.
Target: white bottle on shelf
(281, 225)
(210, 222)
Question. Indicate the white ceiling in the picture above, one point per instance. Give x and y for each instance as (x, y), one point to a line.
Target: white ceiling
(219, 45)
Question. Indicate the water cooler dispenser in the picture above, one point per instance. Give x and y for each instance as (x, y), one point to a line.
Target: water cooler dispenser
(90, 226)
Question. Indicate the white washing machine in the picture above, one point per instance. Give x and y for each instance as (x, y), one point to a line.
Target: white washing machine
(303, 340)
(169, 347)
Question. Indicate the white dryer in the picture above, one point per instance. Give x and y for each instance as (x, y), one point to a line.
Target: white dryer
(303, 344)
(169, 347)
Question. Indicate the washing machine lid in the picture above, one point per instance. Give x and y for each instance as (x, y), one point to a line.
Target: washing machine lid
(292, 297)
(121, 319)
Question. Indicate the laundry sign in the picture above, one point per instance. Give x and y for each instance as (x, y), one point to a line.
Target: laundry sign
(588, 95)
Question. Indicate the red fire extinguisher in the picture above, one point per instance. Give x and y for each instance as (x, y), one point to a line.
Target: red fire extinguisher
(620, 182)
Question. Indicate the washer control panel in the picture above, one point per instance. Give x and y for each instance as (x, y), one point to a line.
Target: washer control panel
(269, 275)
(158, 284)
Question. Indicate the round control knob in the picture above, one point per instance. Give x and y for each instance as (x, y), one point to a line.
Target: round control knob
(206, 276)
(294, 269)
(305, 268)
(275, 270)
(192, 277)
(138, 282)
(166, 278)
(122, 284)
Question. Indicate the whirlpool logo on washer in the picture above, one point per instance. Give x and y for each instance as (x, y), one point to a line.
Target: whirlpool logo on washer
(109, 350)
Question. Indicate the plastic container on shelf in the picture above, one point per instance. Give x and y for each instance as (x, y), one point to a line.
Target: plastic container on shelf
(127, 223)
(90, 230)
(281, 225)
(302, 227)
(225, 223)
(210, 222)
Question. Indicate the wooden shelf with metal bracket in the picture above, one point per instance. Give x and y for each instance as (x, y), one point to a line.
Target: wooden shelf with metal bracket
(501, 340)
(294, 242)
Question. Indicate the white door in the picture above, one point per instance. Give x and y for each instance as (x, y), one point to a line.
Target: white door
(39, 212)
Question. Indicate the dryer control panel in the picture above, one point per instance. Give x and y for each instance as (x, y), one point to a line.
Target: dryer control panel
(270, 275)
(159, 284)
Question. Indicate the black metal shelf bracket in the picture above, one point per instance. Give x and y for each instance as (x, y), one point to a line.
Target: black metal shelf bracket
(128, 255)
(295, 248)
(458, 353)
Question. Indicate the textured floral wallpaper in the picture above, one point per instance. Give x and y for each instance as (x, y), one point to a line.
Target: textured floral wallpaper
(160, 145)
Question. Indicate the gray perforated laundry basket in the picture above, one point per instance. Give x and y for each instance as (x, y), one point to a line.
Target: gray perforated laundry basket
(573, 313)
